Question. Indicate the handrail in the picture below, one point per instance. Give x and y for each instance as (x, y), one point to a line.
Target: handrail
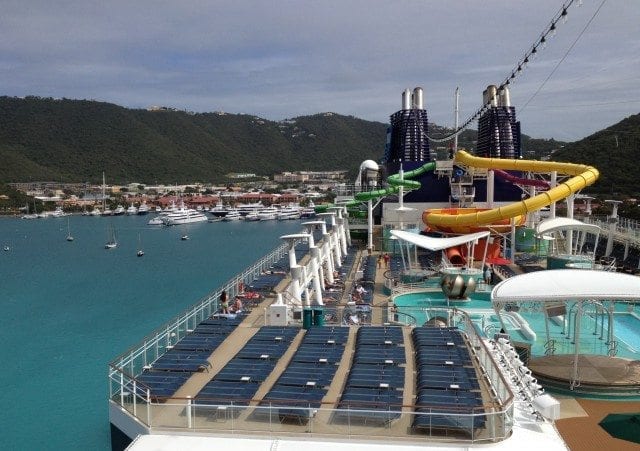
(200, 310)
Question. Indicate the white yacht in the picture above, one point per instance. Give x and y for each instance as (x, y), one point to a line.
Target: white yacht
(184, 215)
(119, 211)
(95, 212)
(245, 209)
(268, 214)
(143, 209)
(232, 215)
(252, 216)
(308, 211)
(219, 211)
(289, 212)
(132, 210)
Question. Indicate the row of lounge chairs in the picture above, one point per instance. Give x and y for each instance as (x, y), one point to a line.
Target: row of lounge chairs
(374, 387)
(298, 392)
(163, 377)
(448, 393)
(238, 381)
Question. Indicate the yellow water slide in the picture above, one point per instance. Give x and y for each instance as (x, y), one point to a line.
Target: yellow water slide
(582, 176)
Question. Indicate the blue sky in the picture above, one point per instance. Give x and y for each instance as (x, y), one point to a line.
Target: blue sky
(280, 59)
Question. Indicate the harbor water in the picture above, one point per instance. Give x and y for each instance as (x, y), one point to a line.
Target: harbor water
(69, 308)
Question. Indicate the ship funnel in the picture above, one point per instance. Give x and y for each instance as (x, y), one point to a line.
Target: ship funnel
(505, 97)
(492, 95)
(417, 98)
(406, 99)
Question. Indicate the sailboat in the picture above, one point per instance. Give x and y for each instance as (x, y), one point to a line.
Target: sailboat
(140, 252)
(69, 237)
(111, 240)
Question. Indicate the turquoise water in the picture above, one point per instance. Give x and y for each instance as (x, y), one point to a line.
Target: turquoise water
(426, 305)
(68, 308)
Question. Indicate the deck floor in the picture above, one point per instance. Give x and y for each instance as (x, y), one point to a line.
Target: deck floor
(595, 370)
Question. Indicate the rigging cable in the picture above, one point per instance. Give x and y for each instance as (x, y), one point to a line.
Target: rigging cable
(517, 70)
(563, 57)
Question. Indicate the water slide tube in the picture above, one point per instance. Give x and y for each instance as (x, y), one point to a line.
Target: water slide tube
(395, 183)
(582, 176)
(519, 180)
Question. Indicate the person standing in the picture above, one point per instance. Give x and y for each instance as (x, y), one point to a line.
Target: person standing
(379, 261)
(386, 260)
(224, 302)
(488, 273)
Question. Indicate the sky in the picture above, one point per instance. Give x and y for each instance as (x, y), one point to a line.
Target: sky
(286, 58)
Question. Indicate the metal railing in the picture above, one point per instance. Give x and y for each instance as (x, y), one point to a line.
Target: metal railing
(139, 356)
(489, 422)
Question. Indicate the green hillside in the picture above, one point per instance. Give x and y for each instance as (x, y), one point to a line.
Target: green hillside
(615, 152)
(76, 140)
(73, 140)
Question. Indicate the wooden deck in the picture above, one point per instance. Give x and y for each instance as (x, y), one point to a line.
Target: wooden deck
(593, 370)
(581, 431)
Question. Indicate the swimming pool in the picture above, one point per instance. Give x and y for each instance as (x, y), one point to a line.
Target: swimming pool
(529, 326)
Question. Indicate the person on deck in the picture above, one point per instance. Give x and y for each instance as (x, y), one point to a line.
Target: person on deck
(224, 302)
(488, 273)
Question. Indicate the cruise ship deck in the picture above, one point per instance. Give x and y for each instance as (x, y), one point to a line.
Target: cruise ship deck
(373, 382)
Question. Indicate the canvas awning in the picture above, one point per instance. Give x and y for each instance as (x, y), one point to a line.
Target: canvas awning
(567, 284)
(553, 224)
(437, 244)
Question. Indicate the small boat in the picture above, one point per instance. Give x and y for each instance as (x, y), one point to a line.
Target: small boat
(69, 236)
(112, 243)
(119, 211)
(132, 210)
(96, 212)
(6, 248)
(156, 221)
(140, 252)
(57, 213)
(184, 237)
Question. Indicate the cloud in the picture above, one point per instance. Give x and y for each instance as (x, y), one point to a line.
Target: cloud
(287, 58)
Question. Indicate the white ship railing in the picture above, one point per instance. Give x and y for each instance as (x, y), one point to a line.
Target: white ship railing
(155, 344)
(491, 421)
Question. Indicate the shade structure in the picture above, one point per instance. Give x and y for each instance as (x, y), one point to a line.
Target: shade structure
(625, 426)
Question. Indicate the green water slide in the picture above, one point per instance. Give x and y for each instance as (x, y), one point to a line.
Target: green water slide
(394, 181)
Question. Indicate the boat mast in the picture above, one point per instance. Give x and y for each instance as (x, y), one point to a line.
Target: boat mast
(103, 192)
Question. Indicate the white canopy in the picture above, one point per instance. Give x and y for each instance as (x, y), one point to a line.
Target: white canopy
(553, 224)
(437, 244)
(567, 284)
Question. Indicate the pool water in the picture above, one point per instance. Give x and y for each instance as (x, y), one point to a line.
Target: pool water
(426, 305)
